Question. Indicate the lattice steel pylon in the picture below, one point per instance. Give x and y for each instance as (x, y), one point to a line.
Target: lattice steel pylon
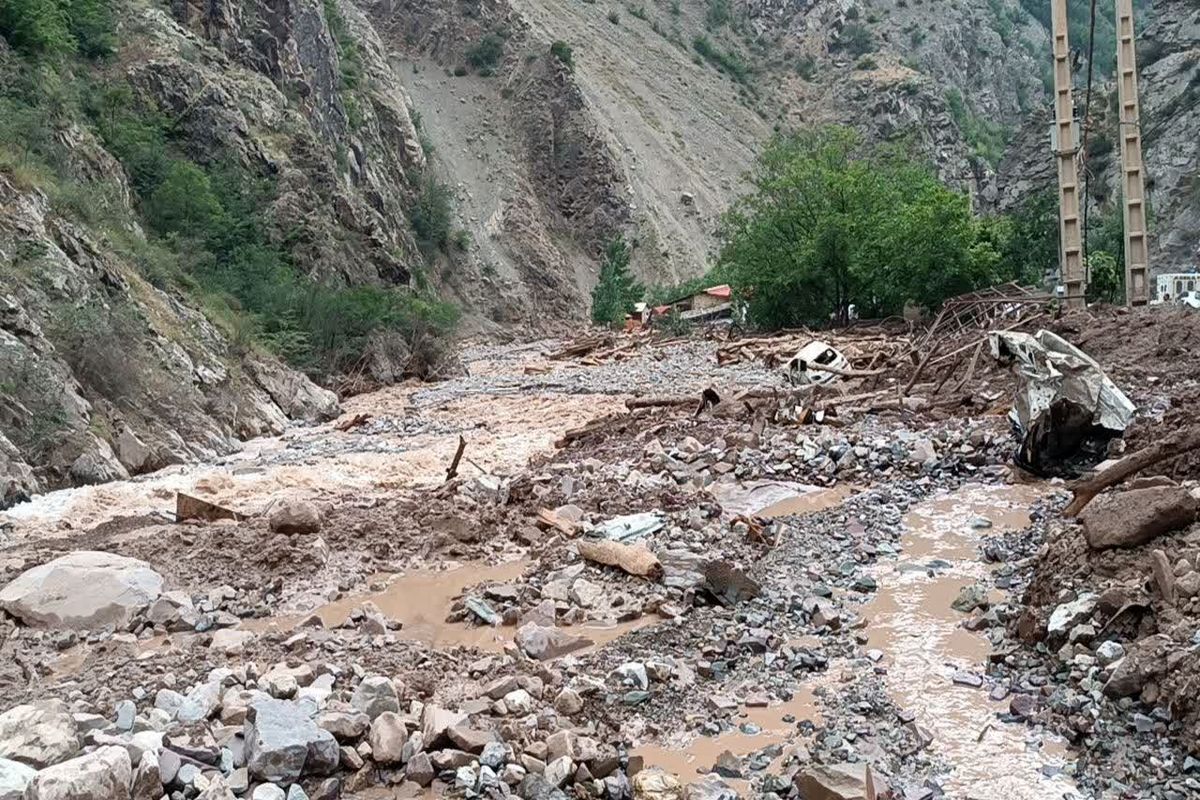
(1065, 150)
(1133, 179)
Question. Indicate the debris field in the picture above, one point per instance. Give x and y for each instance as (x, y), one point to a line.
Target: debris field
(646, 566)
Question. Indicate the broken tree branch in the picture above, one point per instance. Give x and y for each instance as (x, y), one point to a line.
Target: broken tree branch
(1129, 466)
(458, 454)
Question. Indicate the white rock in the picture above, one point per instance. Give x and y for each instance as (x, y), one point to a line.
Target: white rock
(1068, 615)
(82, 590)
(14, 777)
(38, 735)
(105, 774)
(268, 791)
(518, 702)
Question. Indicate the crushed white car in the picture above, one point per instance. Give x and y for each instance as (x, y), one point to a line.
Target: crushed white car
(800, 371)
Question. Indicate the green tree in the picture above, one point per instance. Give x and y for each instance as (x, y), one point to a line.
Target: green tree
(616, 291)
(184, 203)
(36, 27)
(1106, 279)
(831, 223)
(91, 23)
(432, 213)
(563, 52)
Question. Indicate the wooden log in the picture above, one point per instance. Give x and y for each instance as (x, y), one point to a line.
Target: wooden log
(458, 454)
(1131, 465)
(634, 559)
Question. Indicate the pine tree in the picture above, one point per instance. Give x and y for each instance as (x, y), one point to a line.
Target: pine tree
(617, 291)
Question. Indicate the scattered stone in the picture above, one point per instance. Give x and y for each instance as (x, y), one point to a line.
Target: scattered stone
(374, 695)
(655, 784)
(568, 703)
(387, 738)
(970, 598)
(836, 782)
(544, 643)
(1068, 615)
(14, 777)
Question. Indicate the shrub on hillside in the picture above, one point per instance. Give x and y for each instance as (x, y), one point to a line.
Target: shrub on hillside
(562, 51)
(855, 38)
(486, 54)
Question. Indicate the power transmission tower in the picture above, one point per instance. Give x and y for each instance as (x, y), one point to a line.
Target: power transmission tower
(1133, 186)
(1065, 149)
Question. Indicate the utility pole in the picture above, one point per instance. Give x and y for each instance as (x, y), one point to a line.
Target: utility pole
(1065, 149)
(1133, 182)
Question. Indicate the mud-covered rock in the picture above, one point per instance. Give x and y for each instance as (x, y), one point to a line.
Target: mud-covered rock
(1133, 518)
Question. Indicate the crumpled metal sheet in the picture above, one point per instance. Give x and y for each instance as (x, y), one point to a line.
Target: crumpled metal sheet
(630, 527)
(1056, 369)
(1064, 396)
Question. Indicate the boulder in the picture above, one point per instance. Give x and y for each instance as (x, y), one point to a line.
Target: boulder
(85, 590)
(283, 743)
(147, 780)
(293, 517)
(292, 391)
(387, 738)
(543, 643)
(436, 722)
(836, 782)
(346, 726)
(1132, 518)
(710, 787)
(420, 770)
(39, 735)
(104, 774)
(374, 695)
(14, 777)
(655, 784)
(1145, 661)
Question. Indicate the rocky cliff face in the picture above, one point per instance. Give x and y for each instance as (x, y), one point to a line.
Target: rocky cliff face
(1170, 94)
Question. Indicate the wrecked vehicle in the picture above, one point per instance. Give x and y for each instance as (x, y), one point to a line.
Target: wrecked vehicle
(1066, 410)
(805, 368)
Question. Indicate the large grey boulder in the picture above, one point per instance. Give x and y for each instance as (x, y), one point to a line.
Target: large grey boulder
(14, 777)
(374, 695)
(104, 774)
(1134, 517)
(39, 735)
(85, 590)
(283, 743)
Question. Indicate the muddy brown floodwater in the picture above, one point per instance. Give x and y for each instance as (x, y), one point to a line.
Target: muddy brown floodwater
(688, 756)
(421, 599)
(924, 646)
(328, 466)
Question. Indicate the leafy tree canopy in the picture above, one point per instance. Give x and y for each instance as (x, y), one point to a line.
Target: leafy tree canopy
(831, 223)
